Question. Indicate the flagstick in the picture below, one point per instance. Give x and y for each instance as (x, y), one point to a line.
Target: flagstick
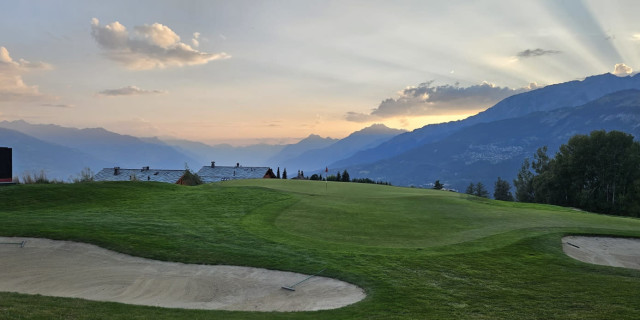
(326, 178)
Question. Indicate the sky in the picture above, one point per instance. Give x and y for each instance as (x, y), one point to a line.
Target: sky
(244, 72)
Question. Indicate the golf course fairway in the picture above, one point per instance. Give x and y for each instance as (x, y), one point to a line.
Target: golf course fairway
(416, 253)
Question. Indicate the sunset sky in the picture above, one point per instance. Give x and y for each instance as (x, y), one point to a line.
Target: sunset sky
(276, 71)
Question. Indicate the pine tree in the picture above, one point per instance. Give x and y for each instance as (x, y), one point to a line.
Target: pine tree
(481, 191)
(471, 189)
(438, 185)
(338, 177)
(524, 183)
(502, 190)
(278, 174)
(284, 173)
(345, 176)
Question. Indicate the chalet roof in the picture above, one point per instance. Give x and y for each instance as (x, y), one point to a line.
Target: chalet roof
(221, 173)
(145, 174)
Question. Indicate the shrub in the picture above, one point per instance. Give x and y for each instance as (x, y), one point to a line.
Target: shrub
(190, 179)
(41, 178)
(86, 175)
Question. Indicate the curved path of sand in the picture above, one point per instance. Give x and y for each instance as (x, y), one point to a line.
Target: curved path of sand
(78, 270)
(606, 251)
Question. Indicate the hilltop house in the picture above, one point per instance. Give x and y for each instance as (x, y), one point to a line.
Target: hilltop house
(144, 174)
(208, 174)
(215, 173)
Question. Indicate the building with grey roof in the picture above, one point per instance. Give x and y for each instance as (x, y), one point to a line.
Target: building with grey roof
(215, 173)
(144, 174)
(208, 174)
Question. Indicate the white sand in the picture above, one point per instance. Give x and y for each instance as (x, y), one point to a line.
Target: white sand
(606, 251)
(70, 269)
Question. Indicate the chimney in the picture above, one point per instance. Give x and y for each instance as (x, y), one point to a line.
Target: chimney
(213, 164)
(116, 171)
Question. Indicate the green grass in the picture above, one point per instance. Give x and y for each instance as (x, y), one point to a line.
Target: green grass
(419, 254)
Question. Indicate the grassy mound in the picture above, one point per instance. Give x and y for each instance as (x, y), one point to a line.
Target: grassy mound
(418, 253)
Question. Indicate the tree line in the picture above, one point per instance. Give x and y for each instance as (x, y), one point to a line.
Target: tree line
(501, 190)
(599, 172)
(345, 177)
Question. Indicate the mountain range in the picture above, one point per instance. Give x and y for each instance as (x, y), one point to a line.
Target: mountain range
(62, 152)
(304, 157)
(567, 94)
(477, 149)
(32, 155)
(225, 154)
(485, 151)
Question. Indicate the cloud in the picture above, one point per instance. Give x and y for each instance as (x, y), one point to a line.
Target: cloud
(536, 53)
(128, 91)
(12, 87)
(621, 69)
(194, 40)
(426, 99)
(533, 86)
(60, 105)
(148, 46)
(359, 117)
(636, 37)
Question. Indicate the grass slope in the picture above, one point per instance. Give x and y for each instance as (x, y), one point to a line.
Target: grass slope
(418, 253)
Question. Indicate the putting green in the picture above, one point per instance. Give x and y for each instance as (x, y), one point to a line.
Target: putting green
(392, 217)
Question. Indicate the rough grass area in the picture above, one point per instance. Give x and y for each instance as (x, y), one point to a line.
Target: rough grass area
(419, 254)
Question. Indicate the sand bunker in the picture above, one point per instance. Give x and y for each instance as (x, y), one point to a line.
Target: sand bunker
(606, 251)
(78, 270)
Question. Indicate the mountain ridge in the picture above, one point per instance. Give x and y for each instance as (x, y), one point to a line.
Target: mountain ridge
(571, 93)
(485, 151)
(362, 139)
(109, 147)
(32, 155)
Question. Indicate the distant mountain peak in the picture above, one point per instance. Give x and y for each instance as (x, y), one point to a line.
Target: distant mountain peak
(20, 121)
(379, 128)
(314, 138)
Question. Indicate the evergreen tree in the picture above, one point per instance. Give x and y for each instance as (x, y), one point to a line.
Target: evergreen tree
(338, 176)
(284, 173)
(481, 191)
(345, 176)
(502, 190)
(540, 160)
(278, 174)
(524, 183)
(471, 189)
(438, 185)
(543, 189)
